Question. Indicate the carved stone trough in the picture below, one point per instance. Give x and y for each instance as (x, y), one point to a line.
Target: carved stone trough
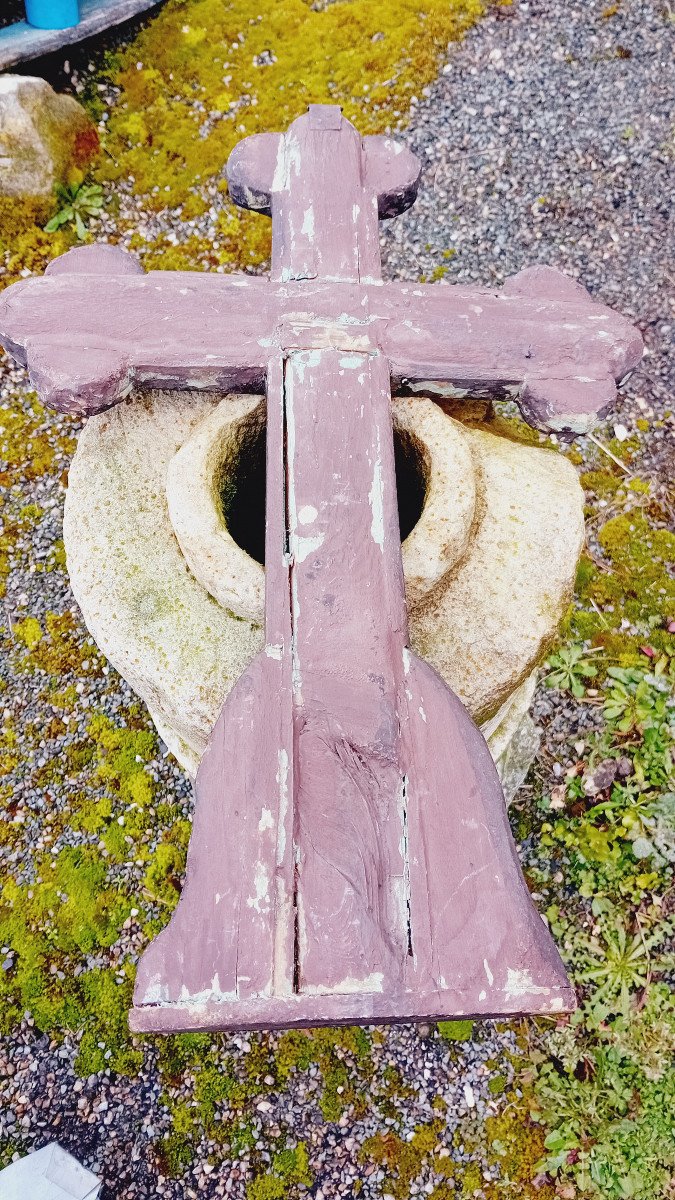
(489, 563)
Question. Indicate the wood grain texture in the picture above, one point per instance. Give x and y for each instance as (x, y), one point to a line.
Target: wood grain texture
(558, 358)
(351, 858)
(363, 854)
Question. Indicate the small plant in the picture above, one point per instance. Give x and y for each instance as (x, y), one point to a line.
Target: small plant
(655, 835)
(569, 670)
(621, 965)
(77, 201)
(636, 700)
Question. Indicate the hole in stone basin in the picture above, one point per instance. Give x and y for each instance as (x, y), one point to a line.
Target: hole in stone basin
(243, 492)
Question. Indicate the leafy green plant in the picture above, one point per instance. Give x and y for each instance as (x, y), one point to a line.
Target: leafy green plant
(621, 964)
(636, 700)
(654, 832)
(614, 1129)
(569, 670)
(77, 201)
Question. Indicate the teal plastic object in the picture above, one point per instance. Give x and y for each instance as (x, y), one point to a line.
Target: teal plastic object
(53, 14)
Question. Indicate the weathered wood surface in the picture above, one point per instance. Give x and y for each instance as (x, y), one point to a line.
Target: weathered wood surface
(351, 858)
(21, 41)
(540, 338)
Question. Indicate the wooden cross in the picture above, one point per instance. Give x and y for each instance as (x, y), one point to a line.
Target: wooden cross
(351, 859)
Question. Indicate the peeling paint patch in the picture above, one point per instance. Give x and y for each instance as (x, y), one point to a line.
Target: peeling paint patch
(282, 780)
(266, 820)
(260, 902)
(303, 546)
(376, 498)
(308, 223)
(372, 983)
(520, 983)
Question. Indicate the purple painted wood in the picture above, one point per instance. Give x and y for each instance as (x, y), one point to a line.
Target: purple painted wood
(351, 858)
(541, 339)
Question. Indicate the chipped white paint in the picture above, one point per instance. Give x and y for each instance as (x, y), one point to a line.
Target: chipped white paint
(266, 820)
(307, 514)
(282, 780)
(402, 883)
(488, 972)
(304, 546)
(371, 983)
(261, 882)
(520, 983)
(351, 362)
(308, 223)
(376, 498)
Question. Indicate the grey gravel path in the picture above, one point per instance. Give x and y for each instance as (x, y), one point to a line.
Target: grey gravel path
(549, 137)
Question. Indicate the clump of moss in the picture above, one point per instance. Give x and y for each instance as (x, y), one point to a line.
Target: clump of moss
(632, 586)
(456, 1031)
(402, 1159)
(290, 1167)
(516, 1145)
(20, 218)
(58, 649)
(298, 1049)
(196, 80)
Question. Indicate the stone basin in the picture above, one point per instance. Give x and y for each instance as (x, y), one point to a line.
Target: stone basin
(164, 523)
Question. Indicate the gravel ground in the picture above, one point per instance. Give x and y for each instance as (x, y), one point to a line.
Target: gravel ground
(547, 138)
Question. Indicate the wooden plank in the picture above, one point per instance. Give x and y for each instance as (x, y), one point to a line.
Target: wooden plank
(22, 41)
(399, 889)
(441, 341)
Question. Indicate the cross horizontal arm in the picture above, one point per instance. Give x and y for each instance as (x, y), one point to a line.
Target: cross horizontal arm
(94, 329)
(97, 326)
(541, 339)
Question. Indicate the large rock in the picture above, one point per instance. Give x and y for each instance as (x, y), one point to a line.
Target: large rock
(42, 135)
(177, 605)
(48, 1174)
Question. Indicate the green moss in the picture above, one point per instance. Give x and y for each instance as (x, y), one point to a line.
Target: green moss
(497, 1085)
(176, 1153)
(19, 219)
(208, 54)
(58, 649)
(636, 587)
(604, 484)
(456, 1031)
(516, 1145)
(122, 754)
(28, 632)
(290, 1167)
(404, 1159)
(472, 1180)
